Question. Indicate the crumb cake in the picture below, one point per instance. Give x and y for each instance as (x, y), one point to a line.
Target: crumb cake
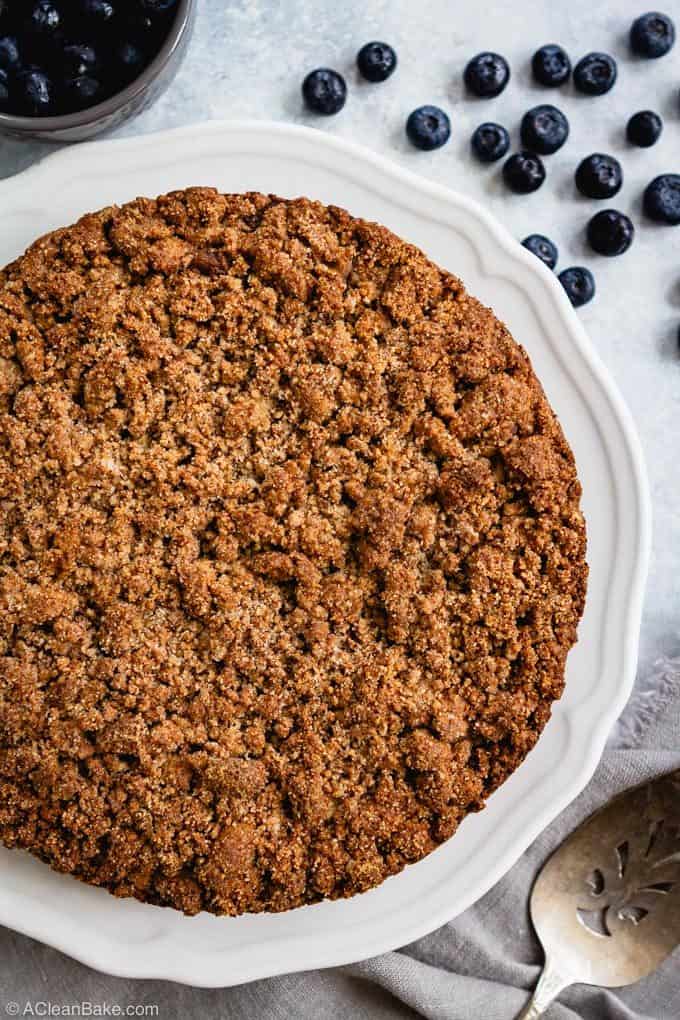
(291, 554)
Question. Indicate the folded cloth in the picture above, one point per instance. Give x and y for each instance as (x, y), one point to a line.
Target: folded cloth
(480, 966)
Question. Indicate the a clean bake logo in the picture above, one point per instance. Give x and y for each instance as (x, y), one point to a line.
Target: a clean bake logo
(44, 1008)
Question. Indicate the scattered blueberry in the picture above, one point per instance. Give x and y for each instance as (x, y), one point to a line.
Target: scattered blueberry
(490, 142)
(34, 93)
(524, 172)
(551, 65)
(595, 74)
(599, 176)
(644, 128)
(579, 285)
(376, 61)
(487, 74)
(662, 199)
(9, 53)
(428, 128)
(610, 232)
(544, 129)
(324, 91)
(76, 59)
(652, 35)
(81, 92)
(543, 248)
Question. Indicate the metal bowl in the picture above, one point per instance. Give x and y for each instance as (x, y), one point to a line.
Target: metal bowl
(154, 79)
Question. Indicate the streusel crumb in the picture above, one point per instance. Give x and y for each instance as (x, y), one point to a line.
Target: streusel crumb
(291, 554)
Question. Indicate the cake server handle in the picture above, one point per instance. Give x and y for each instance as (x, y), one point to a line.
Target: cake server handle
(551, 982)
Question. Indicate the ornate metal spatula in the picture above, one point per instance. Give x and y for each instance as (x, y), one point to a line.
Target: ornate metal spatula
(606, 905)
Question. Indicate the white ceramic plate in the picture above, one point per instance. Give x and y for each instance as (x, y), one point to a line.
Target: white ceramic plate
(127, 938)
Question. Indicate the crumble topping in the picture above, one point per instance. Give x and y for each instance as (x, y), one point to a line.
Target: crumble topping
(291, 554)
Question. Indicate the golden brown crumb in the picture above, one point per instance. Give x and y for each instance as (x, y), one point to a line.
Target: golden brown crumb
(291, 554)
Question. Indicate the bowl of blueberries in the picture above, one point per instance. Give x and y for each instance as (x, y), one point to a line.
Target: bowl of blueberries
(70, 69)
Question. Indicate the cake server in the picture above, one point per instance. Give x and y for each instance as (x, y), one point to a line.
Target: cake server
(606, 905)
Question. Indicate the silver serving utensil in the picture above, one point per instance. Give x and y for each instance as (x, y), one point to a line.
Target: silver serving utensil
(606, 905)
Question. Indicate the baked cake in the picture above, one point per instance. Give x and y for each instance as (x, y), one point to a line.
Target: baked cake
(291, 553)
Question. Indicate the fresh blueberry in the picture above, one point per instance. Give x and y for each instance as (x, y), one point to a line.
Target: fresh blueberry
(599, 176)
(579, 285)
(324, 91)
(157, 6)
(146, 31)
(551, 65)
(43, 19)
(524, 172)
(595, 74)
(81, 92)
(77, 59)
(98, 13)
(543, 248)
(652, 35)
(128, 60)
(9, 53)
(487, 74)
(490, 142)
(428, 128)
(33, 93)
(644, 128)
(610, 232)
(376, 61)
(544, 129)
(4, 89)
(662, 199)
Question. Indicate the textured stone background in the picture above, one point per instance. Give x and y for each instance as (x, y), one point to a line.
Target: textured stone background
(247, 60)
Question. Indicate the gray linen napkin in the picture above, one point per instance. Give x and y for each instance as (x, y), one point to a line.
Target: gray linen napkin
(477, 967)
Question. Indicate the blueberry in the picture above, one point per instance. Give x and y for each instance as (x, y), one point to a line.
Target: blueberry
(610, 232)
(487, 74)
(644, 128)
(599, 176)
(662, 199)
(324, 91)
(652, 35)
(128, 60)
(157, 6)
(80, 92)
(544, 129)
(579, 285)
(428, 128)
(551, 65)
(4, 89)
(595, 74)
(524, 172)
(98, 13)
(9, 53)
(490, 142)
(76, 59)
(543, 248)
(146, 31)
(33, 93)
(43, 19)
(376, 61)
